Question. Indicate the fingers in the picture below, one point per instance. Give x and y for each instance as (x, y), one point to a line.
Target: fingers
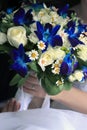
(32, 86)
(11, 106)
(16, 106)
(38, 91)
(32, 79)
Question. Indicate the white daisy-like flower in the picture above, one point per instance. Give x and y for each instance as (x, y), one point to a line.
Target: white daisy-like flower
(33, 55)
(56, 66)
(60, 82)
(83, 37)
(41, 45)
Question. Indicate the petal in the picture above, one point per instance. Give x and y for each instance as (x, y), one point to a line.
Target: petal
(74, 41)
(55, 29)
(57, 41)
(40, 28)
(70, 27)
(39, 35)
(28, 19)
(84, 69)
(63, 11)
(19, 16)
(21, 50)
(14, 54)
(64, 68)
(48, 26)
(20, 68)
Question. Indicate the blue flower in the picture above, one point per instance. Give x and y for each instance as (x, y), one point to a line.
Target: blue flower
(74, 31)
(48, 34)
(63, 11)
(37, 6)
(21, 17)
(69, 64)
(20, 59)
(84, 69)
(9, 10)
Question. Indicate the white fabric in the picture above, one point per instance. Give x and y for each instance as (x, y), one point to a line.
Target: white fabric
(43, 119)
(25, 99)
(82, 86)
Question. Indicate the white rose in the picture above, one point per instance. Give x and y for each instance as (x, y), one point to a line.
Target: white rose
(46, 58)
(78, 75)
(82, 53)
(72, 78)
(58, 53)
(17, 35)
(3, 38)
(33, 38)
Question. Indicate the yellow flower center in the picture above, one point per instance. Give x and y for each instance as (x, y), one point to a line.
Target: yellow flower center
(41, 44)
(33, 55)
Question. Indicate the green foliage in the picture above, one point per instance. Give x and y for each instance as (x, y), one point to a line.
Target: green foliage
(5, 48)
(15, 80)
(82, 63)
(34, 66)
(49, 87)
(67, 85)
(18, 80)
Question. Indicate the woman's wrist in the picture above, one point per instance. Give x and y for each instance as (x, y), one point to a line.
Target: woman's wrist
(57, 97)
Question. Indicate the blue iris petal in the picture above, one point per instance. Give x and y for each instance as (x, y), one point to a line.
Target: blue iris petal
(85, 71)
(40, 27)
(57, 41)
(9, 10)
(81, 28)
(48, 26)
(20, 17)
(20, 67)
(70, 63)
(39, 35)
(70, 27)
(64, 11)
(28, 19)
(20, 59)
(55, 29)
(74, 41)
(48, 35)
(64, 68)
(74, 31)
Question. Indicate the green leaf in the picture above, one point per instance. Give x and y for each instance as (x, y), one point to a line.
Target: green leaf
(34, 66)
(18, 80)
(67, 85)
(15, 80)
(51, 88)
(6, 48)
(21, 82)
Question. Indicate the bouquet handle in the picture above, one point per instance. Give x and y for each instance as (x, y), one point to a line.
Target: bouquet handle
(25, 99)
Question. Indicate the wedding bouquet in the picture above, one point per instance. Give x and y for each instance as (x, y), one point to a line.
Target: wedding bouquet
(51, 42)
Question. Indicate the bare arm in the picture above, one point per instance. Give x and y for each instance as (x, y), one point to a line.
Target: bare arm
(74, 98)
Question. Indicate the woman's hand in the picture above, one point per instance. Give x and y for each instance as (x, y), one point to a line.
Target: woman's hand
(11, 106)
(32, 86)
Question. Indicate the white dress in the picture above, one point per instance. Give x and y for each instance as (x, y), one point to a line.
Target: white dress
(45, 118)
